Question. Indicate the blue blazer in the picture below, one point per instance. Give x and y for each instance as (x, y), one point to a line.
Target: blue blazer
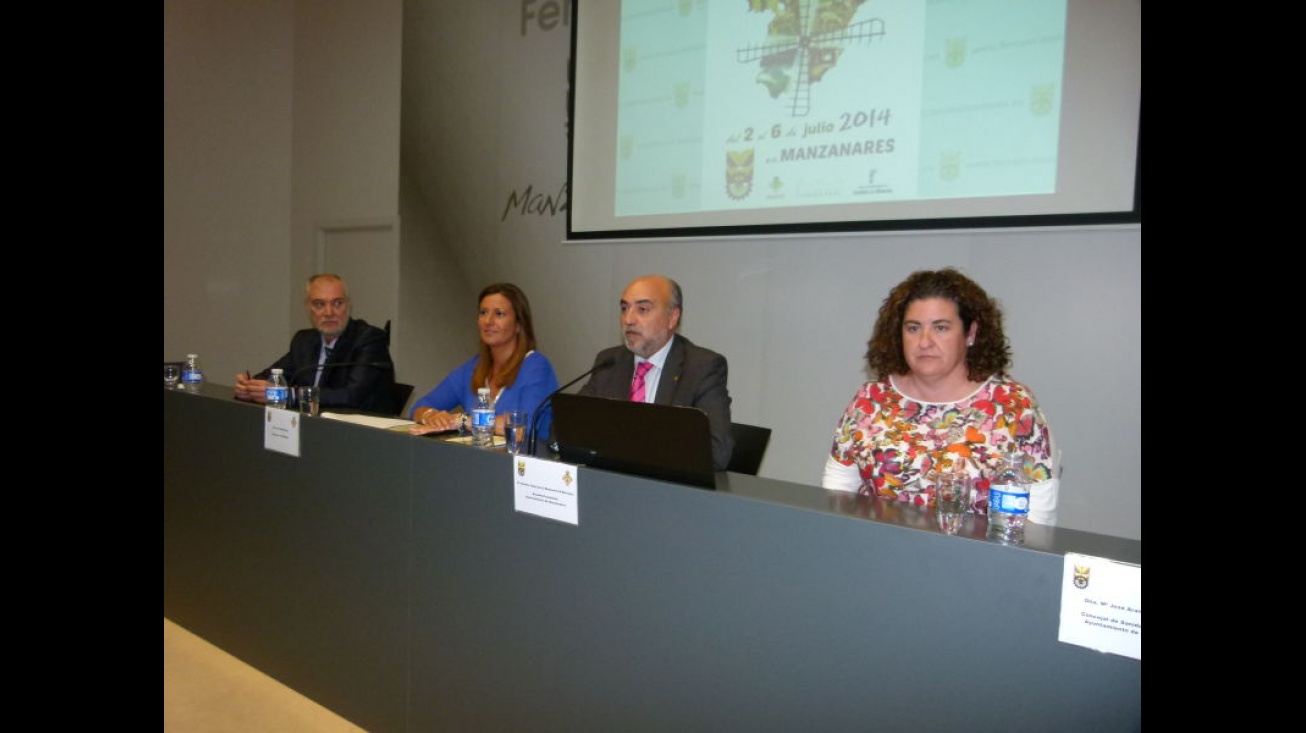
(535, 381)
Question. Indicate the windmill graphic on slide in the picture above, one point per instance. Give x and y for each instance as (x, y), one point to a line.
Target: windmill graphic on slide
(812, 49)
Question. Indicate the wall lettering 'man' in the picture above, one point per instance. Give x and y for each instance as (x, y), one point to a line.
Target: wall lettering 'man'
(529, 202)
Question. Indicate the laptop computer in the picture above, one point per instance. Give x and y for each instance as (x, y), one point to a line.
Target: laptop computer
(645, 439)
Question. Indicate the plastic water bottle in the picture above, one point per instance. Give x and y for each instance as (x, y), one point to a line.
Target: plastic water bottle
(1009, 500)
(192, 377)
(277, 393)
(483, 419)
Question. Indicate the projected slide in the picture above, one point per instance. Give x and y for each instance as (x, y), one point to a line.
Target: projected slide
(748, 104)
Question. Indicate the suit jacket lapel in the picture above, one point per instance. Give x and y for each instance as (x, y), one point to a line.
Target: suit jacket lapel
(303, 355)
(671, 371)
(335, 354)
(341, 346)
(623, 372)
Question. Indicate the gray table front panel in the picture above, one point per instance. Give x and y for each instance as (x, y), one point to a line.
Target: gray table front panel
(671, 608)
(298, 566)
(389, 578)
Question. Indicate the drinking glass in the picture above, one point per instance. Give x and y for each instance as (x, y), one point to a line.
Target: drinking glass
(310, 400)
(171, 375)
(951, 500)
(515, 425)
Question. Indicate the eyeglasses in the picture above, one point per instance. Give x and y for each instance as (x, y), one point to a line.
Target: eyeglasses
(320, 305)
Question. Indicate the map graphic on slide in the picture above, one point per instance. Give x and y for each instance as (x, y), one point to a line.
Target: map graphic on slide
(806, 38)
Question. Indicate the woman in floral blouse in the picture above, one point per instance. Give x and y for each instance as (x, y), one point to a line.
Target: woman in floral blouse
(942, 401)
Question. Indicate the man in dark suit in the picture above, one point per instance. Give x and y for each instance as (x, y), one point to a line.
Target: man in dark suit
(680, 372)
(335, 338)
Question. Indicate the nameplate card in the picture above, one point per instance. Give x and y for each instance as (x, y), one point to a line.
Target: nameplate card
(548, 489)
(1102, 605)
(281, 430)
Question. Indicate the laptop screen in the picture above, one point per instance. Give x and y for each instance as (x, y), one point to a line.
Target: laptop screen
(645, 439)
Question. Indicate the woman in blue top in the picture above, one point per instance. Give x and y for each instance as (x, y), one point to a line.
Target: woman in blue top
(519, 377)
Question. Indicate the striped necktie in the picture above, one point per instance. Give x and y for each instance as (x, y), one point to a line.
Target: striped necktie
(637, 385)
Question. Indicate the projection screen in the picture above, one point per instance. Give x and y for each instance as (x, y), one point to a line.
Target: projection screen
(720, 117)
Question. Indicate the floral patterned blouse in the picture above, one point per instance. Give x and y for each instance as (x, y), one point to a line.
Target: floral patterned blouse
(894, 442)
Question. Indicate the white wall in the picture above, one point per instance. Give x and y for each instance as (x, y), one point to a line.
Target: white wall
(280, 117)
(228, 78)
(346, 151)
(483, 117)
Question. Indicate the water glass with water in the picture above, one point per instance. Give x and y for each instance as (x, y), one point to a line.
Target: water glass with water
(951, 500)
(310, 400)
(171, 375)
(516, 423)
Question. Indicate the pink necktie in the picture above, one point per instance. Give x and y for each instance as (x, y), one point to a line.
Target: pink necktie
(637, 386)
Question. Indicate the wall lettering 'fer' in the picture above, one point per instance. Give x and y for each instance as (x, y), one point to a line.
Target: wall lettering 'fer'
(546, 15)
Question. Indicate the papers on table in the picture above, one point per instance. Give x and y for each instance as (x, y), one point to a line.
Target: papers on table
(385, 423)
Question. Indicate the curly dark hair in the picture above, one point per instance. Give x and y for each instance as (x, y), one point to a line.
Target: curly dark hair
(990, 353)
(521, 308)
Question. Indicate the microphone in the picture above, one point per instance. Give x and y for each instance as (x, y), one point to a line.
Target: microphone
(332, 365)
(535, 417)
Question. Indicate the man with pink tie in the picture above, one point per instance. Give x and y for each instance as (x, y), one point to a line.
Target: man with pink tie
(656, 364)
